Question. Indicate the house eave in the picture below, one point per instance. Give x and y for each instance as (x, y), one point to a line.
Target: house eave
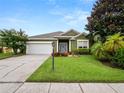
(29, 39)
(63, 37)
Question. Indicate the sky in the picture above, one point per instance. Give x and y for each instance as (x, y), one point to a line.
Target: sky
(44, 16)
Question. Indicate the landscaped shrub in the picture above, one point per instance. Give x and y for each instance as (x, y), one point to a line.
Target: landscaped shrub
(81, 51)
(65, 54)
(70, 53)
(118, 58)
(56, 54)
(98, 51)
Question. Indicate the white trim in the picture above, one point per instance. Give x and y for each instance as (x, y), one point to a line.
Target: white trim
(87, 43)
(74, 37)
(37, 42)
(83, 40)
(42, 39)
(57, 45)
(69, 45)
(63, 36)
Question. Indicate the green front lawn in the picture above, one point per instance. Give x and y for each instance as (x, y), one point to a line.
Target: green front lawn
(5, 55)
(76, 69)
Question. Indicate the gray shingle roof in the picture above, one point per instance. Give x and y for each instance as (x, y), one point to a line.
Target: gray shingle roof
(48, 35)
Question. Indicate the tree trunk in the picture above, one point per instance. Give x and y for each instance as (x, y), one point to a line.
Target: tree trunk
(15, 51)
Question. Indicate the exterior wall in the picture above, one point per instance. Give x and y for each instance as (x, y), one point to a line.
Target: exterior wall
(74, 42)
(81, 37)
(73, 45)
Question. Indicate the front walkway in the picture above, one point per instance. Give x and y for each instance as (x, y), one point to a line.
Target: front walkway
(62, 88)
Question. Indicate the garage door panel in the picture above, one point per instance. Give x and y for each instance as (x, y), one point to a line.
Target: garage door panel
(39, 48)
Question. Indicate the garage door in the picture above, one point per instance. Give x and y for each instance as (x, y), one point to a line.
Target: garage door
(39, 47)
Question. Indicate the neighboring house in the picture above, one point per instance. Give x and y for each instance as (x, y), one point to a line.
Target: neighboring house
(63, 41)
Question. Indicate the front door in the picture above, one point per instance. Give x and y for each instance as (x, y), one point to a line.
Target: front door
(63, 47)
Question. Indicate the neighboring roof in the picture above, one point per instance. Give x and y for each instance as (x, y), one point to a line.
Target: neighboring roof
(48, 35)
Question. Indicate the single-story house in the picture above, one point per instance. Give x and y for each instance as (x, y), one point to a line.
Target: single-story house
(63, 42)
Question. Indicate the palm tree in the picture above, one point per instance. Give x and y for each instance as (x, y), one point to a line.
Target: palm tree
(98, 51)
(113, 43)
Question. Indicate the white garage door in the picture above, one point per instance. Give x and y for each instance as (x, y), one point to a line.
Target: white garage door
(34, 47)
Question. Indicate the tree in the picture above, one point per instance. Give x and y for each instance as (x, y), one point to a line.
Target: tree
(98, 51)
(14, 39)
(107, 18)
(113, 43)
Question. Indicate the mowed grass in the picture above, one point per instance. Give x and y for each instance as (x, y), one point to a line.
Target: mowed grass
(5, 55)
(76, 69)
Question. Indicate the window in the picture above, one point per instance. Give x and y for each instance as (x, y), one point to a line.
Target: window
(82, 44)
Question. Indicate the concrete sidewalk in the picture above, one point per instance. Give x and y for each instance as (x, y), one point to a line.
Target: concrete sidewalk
(61, 87)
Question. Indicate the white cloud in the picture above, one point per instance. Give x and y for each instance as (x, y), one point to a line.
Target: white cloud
(74, 18)
(12, 20)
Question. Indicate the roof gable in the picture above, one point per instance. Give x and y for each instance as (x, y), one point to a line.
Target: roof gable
(70, 32)
(80, 36)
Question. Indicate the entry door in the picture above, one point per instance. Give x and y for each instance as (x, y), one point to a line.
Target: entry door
(63, 47)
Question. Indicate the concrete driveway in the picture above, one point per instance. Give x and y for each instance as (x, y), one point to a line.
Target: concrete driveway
(18, 69)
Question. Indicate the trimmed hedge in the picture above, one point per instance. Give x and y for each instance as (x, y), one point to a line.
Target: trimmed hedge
(118, 58)
(81, 51)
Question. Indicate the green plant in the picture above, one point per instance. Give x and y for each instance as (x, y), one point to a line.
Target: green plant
(98, 51)
(14, 39)
(81, 51)
(76, 69)
(106, 18)
(113, 43)
(65, 54)
(118, 58)
(56, 54)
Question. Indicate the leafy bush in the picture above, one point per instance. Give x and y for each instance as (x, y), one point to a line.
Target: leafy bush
(113, 43)
(81, 51)
(65, 54)
(118, 58)
(70, 53)
(14, 39)
(98, 51)
(57, 54)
